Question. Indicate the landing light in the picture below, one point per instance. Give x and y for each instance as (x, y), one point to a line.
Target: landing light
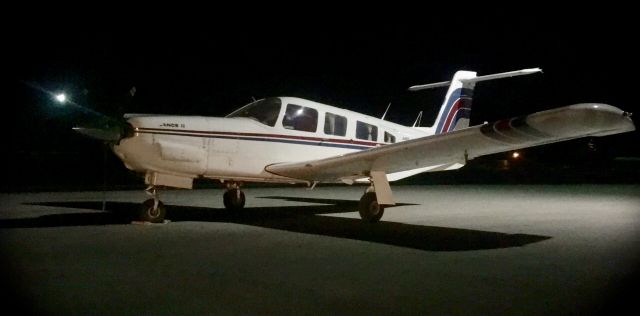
(61, 97)
(515, 155)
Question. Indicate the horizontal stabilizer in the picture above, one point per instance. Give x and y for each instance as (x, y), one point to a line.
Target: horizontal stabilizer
(430, 85)
(508, 74)
(501, 75)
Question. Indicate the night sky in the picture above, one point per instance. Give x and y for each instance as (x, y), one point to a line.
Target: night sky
(211, 68)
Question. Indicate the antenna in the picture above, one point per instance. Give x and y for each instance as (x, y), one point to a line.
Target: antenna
(418, 120)
(385, 111)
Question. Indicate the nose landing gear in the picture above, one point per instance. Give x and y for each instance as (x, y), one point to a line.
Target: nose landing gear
(153, 210)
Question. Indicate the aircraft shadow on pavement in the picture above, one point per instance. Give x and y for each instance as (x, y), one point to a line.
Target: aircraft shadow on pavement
(305, 219)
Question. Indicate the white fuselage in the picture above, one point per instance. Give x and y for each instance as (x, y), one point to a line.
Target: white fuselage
(239, 148)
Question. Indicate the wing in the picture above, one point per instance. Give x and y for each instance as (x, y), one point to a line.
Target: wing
(445, 151)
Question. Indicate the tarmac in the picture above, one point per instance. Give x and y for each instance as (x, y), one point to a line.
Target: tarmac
(444, 250)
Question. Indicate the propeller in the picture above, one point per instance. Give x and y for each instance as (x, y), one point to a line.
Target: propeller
(110, 130)
(96, 125)
(107, 129)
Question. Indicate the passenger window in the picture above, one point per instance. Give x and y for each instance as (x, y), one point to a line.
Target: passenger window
(300, 118)
(389, 138)
(366, 131)
(335, 124)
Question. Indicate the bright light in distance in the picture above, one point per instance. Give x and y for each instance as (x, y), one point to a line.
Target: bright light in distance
(61, 97)
(515, 154)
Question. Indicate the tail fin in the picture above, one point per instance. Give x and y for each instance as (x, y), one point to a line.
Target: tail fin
(456, 109)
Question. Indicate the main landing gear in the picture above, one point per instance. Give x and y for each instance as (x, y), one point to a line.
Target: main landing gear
(375, 198)
(233, 197)
(369, 209)
(153, 209)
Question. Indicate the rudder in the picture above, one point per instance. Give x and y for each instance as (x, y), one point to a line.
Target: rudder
(455, 111)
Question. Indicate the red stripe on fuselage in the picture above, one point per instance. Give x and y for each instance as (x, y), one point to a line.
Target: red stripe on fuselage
(317, 139)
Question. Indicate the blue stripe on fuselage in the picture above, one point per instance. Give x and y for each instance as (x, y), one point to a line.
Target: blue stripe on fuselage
(276, 140)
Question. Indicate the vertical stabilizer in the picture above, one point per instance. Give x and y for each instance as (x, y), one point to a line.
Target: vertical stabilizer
(456, 109)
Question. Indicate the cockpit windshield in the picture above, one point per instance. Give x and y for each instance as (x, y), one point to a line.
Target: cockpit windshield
(265, 111)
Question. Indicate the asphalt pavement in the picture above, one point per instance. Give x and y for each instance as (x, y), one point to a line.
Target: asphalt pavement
(444, 250)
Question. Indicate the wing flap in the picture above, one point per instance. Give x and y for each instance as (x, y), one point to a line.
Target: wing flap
(457, 147)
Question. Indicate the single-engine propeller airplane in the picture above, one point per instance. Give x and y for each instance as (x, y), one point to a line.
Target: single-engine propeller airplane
(292, 140)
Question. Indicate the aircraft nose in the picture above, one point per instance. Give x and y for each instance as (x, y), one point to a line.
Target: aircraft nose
(119, 151)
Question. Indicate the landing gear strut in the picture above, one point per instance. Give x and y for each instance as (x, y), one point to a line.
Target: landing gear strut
(153, 209)
(233, 198)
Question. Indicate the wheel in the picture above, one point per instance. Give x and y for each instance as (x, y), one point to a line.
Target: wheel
(233, 200)
(149, 214)
(369, 208)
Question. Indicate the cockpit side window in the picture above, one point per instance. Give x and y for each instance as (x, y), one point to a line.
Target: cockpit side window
(300, 118)
(335, 124)
(366, 131)
(265, 111)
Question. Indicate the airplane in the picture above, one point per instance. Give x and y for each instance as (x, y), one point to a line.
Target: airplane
(293, 140)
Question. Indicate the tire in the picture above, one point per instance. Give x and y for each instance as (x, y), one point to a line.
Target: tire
(148, 214)
(232, 201)
(369, 209)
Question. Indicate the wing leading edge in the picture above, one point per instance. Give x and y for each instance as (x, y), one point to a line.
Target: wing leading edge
(446, 151)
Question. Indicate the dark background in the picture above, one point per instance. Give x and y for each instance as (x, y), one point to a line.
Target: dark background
(211, 65)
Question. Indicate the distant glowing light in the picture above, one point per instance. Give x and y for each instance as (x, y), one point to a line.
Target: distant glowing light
(515, 155)
(61, 97)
